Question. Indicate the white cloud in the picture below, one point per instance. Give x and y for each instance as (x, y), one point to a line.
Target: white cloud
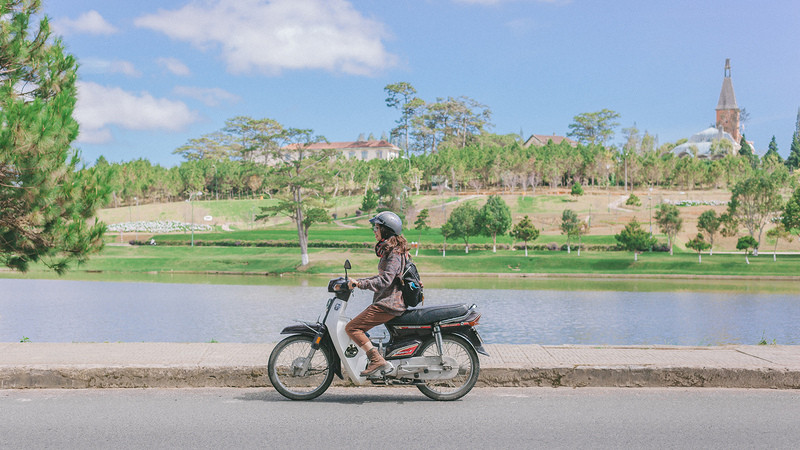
(102, 66)
(209, 96)
(497, 2)
(175, 66)
(100, 106)
(271, 36)
(89, 22)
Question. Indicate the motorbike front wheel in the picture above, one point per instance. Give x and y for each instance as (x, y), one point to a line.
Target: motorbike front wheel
(293, 374)
(468, 368)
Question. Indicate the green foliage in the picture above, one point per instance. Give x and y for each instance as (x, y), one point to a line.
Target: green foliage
(754, 201)
(303, 196)
(791, 213)
(369, 201)
(421, 223)
(746, 243)
(570, 225)
(577, 190)
(746, 152)
(669, 221)
(709, 223)
(595, 127)
(525, 231)
(633, 200)
(45, 201)
(634, 238)
(494, 217)
(773, 150)
(25, 339)
(463, 223)
(698, 244)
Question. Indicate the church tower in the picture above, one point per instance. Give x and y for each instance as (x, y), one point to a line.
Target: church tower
(727, 110)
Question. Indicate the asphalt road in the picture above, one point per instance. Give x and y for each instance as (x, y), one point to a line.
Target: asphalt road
(400, 418)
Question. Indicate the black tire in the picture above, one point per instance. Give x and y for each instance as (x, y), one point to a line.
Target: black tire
(462, 351)
(286, 355)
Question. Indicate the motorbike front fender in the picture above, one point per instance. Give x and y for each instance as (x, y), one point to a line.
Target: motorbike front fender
(312, 330)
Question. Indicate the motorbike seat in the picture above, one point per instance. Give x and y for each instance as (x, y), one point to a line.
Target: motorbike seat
(429, 315)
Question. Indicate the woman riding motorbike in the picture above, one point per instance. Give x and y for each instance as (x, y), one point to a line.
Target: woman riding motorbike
(387, 302)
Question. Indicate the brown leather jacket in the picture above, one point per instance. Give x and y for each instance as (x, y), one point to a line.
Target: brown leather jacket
(386, 284)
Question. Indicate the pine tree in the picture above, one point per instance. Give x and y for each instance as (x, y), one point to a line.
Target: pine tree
(746, 151)
(773, 150)
(793, 161)
(46, 202)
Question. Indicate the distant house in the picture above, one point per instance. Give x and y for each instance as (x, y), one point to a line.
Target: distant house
(362, 150)
(540, 140)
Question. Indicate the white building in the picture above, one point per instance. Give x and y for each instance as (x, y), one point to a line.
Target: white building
(362, 150)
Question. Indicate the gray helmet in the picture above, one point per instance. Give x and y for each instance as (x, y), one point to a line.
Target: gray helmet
(389, 220)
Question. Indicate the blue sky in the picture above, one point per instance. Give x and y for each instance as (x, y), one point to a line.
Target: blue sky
(156, 73)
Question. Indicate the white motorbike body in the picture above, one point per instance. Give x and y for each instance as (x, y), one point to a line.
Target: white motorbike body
(354, 359)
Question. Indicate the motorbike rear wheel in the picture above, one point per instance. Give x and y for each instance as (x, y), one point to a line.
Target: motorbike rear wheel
(469, 366)
(286, 368)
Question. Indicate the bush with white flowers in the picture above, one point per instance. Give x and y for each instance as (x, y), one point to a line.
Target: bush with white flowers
(157, 227)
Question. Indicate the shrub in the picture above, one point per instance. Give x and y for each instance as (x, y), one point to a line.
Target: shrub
(633, 200)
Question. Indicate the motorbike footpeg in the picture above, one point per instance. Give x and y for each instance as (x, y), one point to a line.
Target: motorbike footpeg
(383, 372)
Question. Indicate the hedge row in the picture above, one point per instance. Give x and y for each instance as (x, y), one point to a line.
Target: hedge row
(552, 246)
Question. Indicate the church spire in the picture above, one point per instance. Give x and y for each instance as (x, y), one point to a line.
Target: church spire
(727, 109)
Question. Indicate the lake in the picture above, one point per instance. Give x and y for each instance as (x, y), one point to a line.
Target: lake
(514, 311)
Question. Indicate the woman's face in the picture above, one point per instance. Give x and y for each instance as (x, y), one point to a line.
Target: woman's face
(377, 230)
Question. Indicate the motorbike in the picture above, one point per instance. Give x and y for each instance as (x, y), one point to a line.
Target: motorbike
(433, 348)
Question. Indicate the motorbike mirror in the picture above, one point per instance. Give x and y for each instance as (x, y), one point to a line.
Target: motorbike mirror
(347, 264)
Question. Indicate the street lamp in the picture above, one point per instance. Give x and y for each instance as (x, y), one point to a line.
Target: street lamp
(650, 207)
(191, 197)
(608, 183)
(136, 227)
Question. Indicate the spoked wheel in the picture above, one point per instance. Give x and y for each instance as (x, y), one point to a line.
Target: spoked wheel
(294, 375)
(468, 368)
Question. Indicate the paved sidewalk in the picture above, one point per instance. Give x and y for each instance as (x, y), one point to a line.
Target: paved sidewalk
(137, 365)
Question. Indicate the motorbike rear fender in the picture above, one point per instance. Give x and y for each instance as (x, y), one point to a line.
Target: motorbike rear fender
(471, 336)
(311, 330)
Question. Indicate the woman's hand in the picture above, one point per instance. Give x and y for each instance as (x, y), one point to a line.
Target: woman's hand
(351, 283)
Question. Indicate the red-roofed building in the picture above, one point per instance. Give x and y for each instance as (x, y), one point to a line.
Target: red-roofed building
(363, 150)
(540, 140)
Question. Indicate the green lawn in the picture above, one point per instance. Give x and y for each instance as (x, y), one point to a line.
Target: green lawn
(139, 259)
(364, 234)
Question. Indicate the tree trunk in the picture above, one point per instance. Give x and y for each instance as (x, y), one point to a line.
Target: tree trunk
(301, 233)
(746, 259)
(526, 249)
(635, 256)
(699, 258)
(494, 243)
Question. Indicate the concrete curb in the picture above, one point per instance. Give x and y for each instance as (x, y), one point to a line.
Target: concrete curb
(248, 377)
(165, 365)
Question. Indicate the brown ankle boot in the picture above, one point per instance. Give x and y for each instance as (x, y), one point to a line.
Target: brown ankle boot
(376, 362)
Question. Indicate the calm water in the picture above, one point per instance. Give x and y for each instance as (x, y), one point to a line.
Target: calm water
(89, 311)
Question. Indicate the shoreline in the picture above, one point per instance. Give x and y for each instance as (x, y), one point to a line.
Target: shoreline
(512, 275)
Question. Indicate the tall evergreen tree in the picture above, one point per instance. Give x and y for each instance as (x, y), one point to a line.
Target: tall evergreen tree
(45, 200)
(772, 152)
(746, 151)
(793, 161)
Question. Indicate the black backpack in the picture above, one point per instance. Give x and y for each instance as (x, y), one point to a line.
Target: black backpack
(411, 286)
